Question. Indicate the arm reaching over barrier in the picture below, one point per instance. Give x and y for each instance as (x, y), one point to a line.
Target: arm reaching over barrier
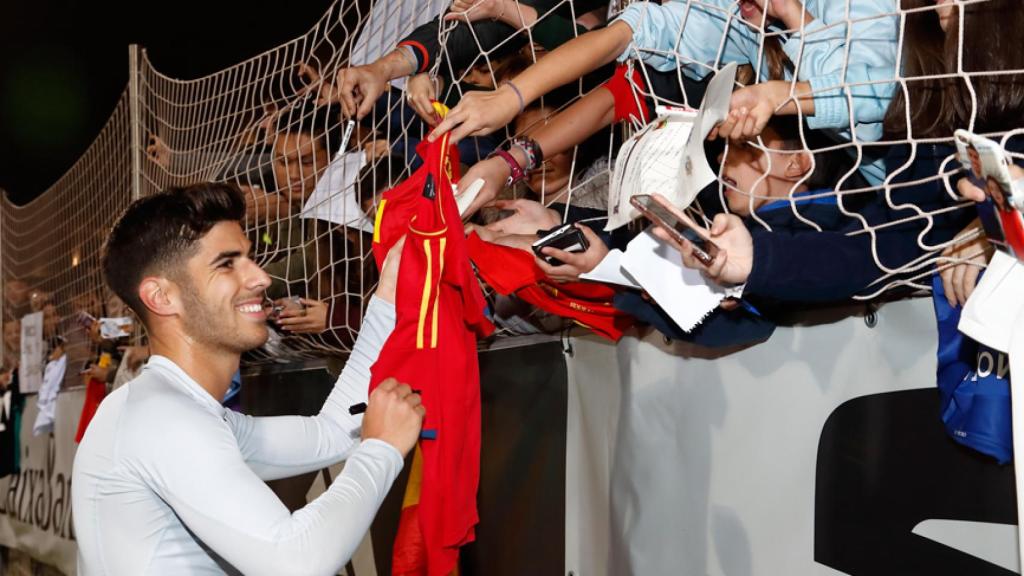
(484, 112)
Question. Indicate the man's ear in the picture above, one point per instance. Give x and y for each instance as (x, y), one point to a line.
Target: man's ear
(160, 296)
(799, 165)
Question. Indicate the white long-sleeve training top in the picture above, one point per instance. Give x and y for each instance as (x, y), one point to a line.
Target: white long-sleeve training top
(167, 481)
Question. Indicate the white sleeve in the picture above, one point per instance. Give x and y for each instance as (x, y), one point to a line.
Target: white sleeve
(284, 446)
(233, 512)
(202, 476)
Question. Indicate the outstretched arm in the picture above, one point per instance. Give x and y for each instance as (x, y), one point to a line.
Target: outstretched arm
(484, 112)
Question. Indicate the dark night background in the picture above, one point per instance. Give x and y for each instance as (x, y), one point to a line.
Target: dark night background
(65, 63)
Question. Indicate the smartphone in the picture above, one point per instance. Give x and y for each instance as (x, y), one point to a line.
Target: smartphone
(567, 238)
(988, 168)
(680, 228)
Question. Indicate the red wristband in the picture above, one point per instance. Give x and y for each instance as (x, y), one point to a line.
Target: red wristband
(517, 170)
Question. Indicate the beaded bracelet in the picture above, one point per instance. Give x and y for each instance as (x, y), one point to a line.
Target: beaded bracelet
(517, 170)
(534, 155)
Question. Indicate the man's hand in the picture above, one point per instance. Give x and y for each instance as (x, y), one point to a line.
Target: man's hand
(394, 414)
(530, 216)
(735, 258)
(420, 91)
(478, 113)
(311, 318)
(959, 280)
(574, 263)
(357, 89)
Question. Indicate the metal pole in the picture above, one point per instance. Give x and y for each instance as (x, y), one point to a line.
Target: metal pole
(135, 120)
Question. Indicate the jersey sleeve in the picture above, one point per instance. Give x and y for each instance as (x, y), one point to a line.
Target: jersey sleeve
(282, 446)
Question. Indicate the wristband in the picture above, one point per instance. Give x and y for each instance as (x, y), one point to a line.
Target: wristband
(522, 102)
(534, 155)
(517, 170)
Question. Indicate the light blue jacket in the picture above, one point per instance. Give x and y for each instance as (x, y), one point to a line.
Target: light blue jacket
(700, 37)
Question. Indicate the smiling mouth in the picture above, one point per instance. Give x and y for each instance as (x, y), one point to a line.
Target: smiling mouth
(729, 182)
(252, 307)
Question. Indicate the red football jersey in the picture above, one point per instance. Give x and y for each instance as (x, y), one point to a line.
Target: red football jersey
(514, 271)
(439, 315)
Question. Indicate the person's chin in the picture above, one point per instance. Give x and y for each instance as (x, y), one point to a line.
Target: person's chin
(254, 338)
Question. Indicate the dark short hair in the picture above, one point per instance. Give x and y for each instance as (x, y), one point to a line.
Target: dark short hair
(383, 173)
(306, 117)
(156, 234)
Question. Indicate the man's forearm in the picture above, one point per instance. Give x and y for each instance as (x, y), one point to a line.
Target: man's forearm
(395, 64)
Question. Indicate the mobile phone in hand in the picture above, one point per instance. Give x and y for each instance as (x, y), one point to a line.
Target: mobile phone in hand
(567, 238)
(680, 228)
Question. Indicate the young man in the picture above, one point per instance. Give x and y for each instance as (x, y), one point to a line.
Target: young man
(166, 481)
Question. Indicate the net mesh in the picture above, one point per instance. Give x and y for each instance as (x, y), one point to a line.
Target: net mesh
(268, 125)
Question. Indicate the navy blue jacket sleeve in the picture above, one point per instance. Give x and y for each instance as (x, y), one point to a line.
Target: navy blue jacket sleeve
(720, 329)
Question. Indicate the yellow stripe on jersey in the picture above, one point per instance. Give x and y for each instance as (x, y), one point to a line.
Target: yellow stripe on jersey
(421, 327)
(377, 220)
(437, 294)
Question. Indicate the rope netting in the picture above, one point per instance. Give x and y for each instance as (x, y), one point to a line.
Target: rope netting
(274, 126)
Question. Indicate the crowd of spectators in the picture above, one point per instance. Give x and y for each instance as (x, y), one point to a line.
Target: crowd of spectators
(541, 94)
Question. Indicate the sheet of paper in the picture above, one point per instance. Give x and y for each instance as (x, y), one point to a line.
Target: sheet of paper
(609, 271)
(30, 368)
(991, 311)
(465, 198)
(696, 171)
(649, 161)
(667, 156)
(683, 293)
(334, 198)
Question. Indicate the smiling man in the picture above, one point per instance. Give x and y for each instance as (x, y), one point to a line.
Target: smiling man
(166, 480)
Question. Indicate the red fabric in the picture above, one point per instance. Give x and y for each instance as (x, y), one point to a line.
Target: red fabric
(410, 554)
(95, 392)
(440, 313)
(630, 102)
(513, 271)
(1013, 230)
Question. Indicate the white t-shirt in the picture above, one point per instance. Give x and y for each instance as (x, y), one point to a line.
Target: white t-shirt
(168, 481)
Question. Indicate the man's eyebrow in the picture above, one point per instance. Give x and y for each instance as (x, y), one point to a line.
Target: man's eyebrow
(229, 255)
